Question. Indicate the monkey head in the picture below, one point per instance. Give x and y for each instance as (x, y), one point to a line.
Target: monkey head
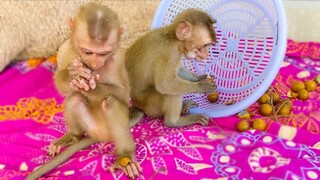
(194, 29)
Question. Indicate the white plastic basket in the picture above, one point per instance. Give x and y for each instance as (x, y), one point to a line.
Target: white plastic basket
(251, 43)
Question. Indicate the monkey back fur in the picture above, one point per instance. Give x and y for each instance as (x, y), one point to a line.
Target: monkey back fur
(35, 29)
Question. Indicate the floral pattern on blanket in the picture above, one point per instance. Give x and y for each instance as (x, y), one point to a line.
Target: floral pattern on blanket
(31, 118)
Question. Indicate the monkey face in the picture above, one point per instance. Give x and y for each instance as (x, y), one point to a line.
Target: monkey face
(197, 47)
(95, 55)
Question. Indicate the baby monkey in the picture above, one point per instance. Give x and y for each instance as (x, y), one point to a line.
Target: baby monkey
(100, 109)
(153, 63)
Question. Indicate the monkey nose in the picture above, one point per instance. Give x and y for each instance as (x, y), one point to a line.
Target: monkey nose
(94, 66)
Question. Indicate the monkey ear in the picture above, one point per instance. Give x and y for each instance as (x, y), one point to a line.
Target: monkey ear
(184, 31)
(71, 24)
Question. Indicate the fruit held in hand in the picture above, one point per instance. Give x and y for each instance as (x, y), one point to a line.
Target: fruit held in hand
(243, 125)
(213, 97)
(259, 124)
(265, 98)
(124, 161)
(297, 85)
(311, 85)
(303, 94)
(266, 109)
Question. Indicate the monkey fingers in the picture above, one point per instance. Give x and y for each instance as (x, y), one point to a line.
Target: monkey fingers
(202, 119)
(81, 83)
(92, 83)
(132, 169)
(201, 77)
(79, 71)
(54, 150)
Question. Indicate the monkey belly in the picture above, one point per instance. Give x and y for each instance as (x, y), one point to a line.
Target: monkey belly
(154, 104)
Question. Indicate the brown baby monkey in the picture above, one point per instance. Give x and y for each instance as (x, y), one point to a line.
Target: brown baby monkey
(92, 76)
(153, 63)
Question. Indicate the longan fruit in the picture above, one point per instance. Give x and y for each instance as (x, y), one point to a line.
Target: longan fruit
(259, 124)
(303, 94)
(288, 103)
(265, 109)
(265, 98)
(284, 110)
(311, 85)
(275, 98)
(297, 85)
(124, 161)
(292, 94)
(243, 125)
(213, 97)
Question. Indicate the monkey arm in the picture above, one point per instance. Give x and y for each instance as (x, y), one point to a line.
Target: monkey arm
(168, 82)
(104, 90)
(62, 81)
(187, 75)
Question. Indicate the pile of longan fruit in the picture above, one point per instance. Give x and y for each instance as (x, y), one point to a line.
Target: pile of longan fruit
(272, 104)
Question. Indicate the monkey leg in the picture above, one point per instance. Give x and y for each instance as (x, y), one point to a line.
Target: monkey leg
(135, 115)
(56, 161)
(72, 118)
(187, 105)
(66, 140)
(117, 113)
(172, 107)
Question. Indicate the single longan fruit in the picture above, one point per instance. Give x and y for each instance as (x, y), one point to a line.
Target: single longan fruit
(297, 85)
(213, 97)
(311, 85)
(243, 125)
(259, 124)
(265, 109)
(275, 98)
(284, 110)
(288, 104)
(303, 94)
(124, 161)
(265, 98)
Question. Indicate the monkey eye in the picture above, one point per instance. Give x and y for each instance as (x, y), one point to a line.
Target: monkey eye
(88, 52)
(104, 54)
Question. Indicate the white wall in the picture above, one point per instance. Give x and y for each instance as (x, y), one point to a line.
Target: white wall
(303, 19)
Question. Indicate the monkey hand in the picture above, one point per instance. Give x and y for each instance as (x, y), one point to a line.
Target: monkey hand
(81, 76)
(129, 167)
(207, 85)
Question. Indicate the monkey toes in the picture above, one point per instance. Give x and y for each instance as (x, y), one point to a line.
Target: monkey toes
(56, 146)
(132, 169)
(187, 105)
(200, 118)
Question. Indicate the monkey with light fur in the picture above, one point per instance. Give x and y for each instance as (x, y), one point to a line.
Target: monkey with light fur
(36, 29)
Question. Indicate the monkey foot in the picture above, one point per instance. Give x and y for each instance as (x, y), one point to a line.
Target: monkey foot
(187, 105)
(66, 140)
(131, 169)
(201, 119)
(54, 149)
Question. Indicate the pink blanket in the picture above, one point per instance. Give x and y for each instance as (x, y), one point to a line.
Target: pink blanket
(31, 118)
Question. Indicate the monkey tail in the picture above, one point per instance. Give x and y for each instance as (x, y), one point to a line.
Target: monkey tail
(60, 158)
